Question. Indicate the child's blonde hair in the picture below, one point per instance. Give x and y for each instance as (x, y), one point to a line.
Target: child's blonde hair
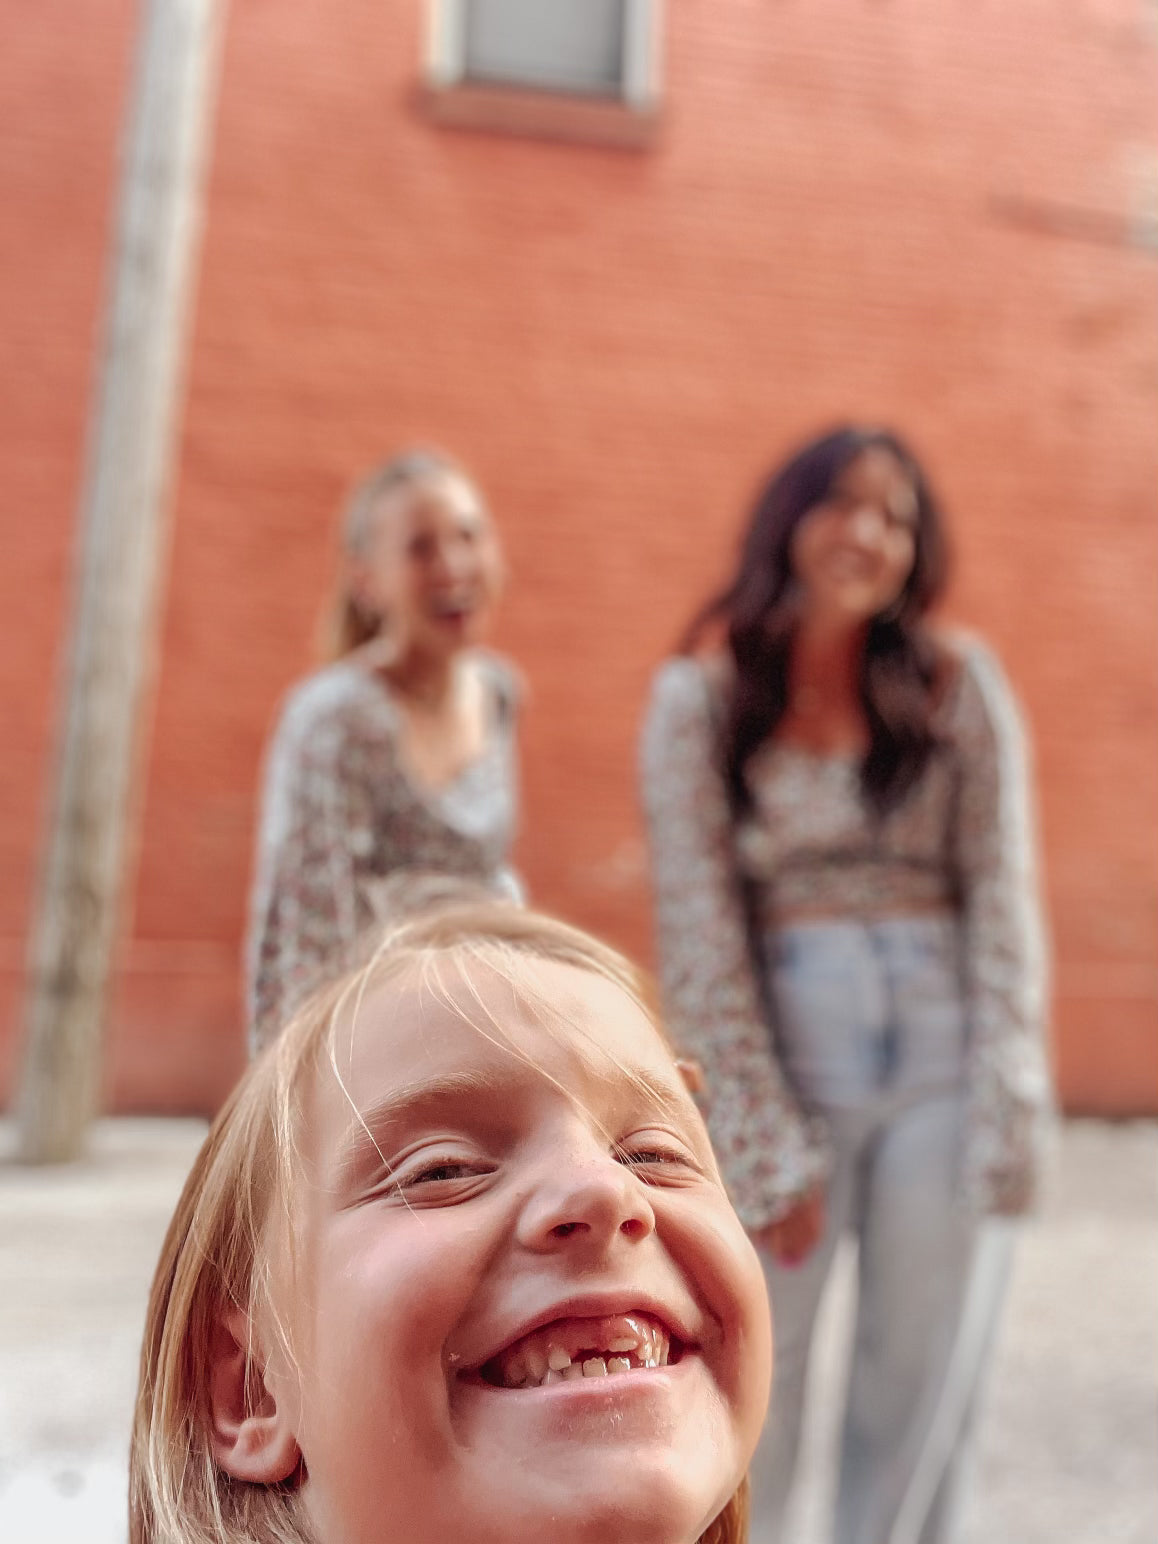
(216, 1254)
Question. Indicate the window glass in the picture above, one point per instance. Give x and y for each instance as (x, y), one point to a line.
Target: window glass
(568, 45)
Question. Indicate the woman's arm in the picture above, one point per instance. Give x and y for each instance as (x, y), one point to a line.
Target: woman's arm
(314, 818)
(771, 1154)
(1004, 956)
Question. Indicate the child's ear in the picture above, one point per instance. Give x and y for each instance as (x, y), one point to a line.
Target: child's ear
(251, 1437)
(692, 1074)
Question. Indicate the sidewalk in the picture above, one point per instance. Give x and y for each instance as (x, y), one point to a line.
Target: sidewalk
(1068, 1437)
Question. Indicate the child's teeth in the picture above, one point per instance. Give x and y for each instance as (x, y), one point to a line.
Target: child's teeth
(629, 1343)
(536, 1364)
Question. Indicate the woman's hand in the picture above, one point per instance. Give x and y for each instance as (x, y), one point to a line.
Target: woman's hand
(791, 1240)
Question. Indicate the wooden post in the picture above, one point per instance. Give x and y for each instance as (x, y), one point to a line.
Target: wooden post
(120, 553)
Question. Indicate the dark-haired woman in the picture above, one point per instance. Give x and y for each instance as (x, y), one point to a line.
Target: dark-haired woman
(849, 940)
(397, 757)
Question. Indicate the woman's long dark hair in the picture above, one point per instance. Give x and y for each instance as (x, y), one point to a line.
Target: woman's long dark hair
(760, 607)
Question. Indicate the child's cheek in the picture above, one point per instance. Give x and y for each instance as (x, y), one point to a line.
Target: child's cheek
(387, 1299)
(730, 1282)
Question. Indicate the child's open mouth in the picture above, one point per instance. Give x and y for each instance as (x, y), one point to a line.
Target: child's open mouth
(572, 1348)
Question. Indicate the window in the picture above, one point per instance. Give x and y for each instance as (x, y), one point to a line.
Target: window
(510, 54)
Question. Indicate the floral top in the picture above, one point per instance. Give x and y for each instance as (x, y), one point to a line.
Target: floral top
(340, 812)
(963, 836)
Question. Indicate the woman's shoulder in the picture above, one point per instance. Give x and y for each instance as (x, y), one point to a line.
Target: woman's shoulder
(974, 686)
(698, 678)
(503, 677)
(689, 691)
(326, 701)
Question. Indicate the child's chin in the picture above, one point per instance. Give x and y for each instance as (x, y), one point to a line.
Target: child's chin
(635, 1511)
(644, 1499)
(633, 1497)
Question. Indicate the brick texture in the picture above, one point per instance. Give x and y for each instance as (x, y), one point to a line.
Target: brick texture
(910, 211)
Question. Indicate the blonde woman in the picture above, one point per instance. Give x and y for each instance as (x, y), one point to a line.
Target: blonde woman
(397, 756)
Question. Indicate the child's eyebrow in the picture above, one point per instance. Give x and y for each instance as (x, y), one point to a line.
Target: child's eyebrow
(402, 1107)
(669, 1097)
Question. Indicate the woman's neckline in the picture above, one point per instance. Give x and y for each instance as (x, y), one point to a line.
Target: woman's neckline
(387, 694)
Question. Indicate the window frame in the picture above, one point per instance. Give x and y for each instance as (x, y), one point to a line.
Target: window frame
(639, 92)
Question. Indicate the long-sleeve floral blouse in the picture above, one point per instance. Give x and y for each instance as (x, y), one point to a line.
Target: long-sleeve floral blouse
(963, 837)
(340, 812)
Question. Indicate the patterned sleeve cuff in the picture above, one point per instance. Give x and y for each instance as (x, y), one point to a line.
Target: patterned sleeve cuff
(766, 1182)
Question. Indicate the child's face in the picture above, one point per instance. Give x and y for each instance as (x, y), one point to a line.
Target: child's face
(479, 1223)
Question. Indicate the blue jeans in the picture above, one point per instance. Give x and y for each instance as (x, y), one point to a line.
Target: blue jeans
(872, 1031)
(866, 1008)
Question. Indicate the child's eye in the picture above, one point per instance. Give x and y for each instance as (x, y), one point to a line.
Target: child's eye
(437, 1179)
(444, 1170)
(662, 1159)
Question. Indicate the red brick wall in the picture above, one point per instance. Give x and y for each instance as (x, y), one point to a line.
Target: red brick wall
(911, 211)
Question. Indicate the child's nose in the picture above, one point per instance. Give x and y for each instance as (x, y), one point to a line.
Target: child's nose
(589, 1202)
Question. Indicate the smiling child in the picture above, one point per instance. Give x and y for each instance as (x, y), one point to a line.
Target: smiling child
(456, 1263)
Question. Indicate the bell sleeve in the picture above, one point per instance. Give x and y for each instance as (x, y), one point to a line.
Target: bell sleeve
(1005, 967)
(770, 1151)
(305, 908)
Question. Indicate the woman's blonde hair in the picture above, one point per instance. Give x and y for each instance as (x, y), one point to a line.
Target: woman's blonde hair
(216, 1254)
(348, 624)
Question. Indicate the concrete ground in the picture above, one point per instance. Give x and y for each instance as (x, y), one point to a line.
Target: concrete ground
(1067, 1444)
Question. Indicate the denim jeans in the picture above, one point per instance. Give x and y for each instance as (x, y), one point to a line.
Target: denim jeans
(872, 1031)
